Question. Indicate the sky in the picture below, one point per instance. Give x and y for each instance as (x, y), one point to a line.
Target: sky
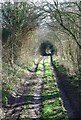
(32, 0)
(51, 0)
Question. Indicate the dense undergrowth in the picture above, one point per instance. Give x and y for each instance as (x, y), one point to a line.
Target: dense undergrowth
(11, 80)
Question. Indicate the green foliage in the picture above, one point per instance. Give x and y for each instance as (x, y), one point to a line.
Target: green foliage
(76, 80)
(60, 68)
(5, 97)
(38, 70)
(11, 77)
(52, 103)
(24, 114)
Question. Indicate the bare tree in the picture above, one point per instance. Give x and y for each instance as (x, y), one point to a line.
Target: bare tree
(67, 15)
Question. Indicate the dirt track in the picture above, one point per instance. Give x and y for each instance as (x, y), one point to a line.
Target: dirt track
(69, 94)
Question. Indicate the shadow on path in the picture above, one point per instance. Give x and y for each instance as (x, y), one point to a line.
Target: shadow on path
(70, 95)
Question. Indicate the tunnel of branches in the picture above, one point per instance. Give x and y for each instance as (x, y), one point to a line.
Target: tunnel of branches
(34, 79)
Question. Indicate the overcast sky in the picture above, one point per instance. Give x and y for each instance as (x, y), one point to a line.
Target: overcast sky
(50, 0)
(32, 0)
